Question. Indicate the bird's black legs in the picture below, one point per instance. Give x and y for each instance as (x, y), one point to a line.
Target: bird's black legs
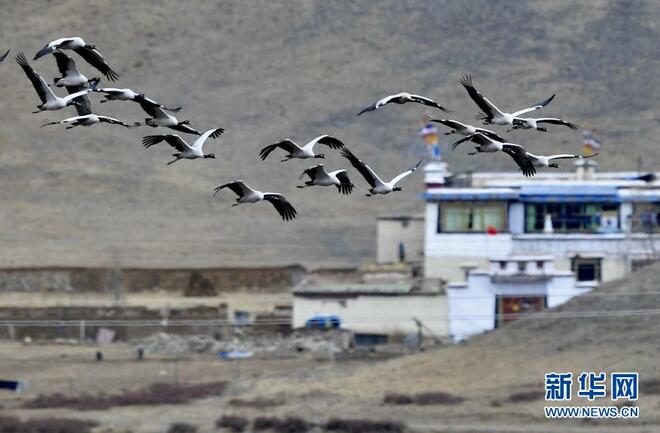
(173, 161)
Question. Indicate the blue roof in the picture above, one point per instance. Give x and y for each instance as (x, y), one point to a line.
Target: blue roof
(569, 193)
(465, 194)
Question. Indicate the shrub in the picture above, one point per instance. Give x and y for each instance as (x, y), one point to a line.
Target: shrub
(232, 422)
(293, 425)
(259, 402)
(265, 423)
(524, 396)
(650, 386)
(427, 398)
(156, 394)
(363, 426)
(45, 425)
(394, 398)
(182, 427)
(422, 399)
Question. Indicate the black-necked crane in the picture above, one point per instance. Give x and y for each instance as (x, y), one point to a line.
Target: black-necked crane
(488, 145)
(49, 100)
(115, 94)
(246, 194)
(4, 56)
(84, 50)
(533, 123)
(186, 151)
(403, 98)
(547, 160)
(74, 82)
(160, 118)
(307, 151)
(318, 176)
(87, 120)
(491, 114)
(377, 185)
(465, 129)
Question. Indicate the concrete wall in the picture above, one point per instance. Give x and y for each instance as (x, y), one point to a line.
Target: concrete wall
(406, 230)
(190, 281)
(377, 314)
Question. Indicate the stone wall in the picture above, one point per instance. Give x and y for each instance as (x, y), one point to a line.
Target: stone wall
(193, 282)
(84, 318)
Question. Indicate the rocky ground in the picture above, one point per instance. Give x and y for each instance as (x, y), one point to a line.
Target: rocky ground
(497, 377)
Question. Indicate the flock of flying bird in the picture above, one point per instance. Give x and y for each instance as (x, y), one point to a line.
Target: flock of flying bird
(79, 87)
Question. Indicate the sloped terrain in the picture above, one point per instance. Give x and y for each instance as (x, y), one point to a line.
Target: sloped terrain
(269, 70)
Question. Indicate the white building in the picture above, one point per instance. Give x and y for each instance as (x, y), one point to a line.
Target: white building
(400, 239)
(374, 308)
(510, 287)
(599, 225)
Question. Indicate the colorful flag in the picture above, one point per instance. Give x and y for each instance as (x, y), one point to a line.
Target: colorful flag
(590, 144)
(429, 133)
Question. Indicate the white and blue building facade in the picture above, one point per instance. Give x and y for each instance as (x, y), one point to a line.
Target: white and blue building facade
(598, 225)
(503, 245)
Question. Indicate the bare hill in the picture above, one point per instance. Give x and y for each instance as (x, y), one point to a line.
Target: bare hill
(269, 70)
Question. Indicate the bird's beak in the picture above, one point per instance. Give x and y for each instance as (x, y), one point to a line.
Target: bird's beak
(42, 52)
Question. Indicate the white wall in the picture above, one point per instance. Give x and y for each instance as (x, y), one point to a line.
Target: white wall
(471, 307)
(377, 314)
(391, 232)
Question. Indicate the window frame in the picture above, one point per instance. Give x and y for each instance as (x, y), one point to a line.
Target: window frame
(565, 209)
(597, 262)
(504, 209)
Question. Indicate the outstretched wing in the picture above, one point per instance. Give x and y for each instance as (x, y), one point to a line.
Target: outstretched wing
(367, 109)
(555, 121)
(282, 206)
(238, 186)
(428, 102)
(328, 140)
(569, 156)
(94, 58)
(172, 139)
(65, 64)
(4, 56)
(287, 145)
(517, 153)
(477, 138)
(184, 128)
(346, 187)
(490, 134)
(486, 106)
(213, 133)
(38, 83)
(366, 171)
(448, 122)
(112, 120)
(534, 107)
(312, 172)
(408, 172)
(140, 97)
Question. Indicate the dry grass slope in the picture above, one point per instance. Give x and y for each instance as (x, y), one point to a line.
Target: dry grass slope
(267, 70)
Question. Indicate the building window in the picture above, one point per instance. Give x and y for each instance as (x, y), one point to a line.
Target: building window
(573, 217)
(539, 264)
(646, 217)
(503, 265)
(471, 217)
(522, 266)
(586, 269)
